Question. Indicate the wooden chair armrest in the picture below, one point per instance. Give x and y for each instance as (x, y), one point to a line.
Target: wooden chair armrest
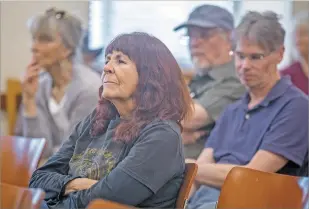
(106, 204)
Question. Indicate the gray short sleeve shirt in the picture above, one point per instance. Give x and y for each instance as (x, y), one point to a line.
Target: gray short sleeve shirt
(216, 89)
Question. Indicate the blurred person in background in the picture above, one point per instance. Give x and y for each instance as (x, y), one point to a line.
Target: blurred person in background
(57, 91)
(298, 70)
(215, 84)
(267, 129)
(91, 56)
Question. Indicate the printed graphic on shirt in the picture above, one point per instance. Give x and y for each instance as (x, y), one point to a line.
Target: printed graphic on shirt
(93, 163)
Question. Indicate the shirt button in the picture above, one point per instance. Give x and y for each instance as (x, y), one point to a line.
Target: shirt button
(247, 116)
(192, 94)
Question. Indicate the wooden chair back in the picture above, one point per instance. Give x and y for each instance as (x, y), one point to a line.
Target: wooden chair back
(13, 100)
(247, 188)
(19, 158)
(190, 173)
(14, 197)
(105, 204)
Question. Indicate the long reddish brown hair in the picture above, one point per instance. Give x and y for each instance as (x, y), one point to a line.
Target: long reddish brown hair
(161, 91)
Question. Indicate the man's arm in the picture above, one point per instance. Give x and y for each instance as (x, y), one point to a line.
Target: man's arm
(199, 119)
(286, 140)
(210, 104)
(213, 174)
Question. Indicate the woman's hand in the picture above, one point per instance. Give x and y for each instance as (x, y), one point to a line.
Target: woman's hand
(30, 85)
(30, 81)
(79, 184)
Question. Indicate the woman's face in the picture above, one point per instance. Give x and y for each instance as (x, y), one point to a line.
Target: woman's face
(48, 52)
(119, 77)
(302, 40)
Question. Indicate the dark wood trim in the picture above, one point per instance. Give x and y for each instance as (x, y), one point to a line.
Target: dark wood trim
(3, 101)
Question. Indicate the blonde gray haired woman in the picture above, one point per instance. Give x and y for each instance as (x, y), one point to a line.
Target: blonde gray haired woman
(57, 92)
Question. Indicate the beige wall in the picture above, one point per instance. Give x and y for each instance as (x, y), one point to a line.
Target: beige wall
(299, 6)
(15, 39)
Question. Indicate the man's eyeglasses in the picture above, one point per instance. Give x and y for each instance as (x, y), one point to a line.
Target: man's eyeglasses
(203, 33)
(251, 57)
(199, 33)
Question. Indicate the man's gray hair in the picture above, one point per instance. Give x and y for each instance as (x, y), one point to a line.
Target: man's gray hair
(263, 29)
(58, 22)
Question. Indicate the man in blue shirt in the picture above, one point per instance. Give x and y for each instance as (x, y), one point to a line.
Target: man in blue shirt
(267, 129)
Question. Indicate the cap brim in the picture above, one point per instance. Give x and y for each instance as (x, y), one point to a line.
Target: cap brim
(197, 23)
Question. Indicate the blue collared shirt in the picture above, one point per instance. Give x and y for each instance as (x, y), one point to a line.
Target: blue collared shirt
(279, 124)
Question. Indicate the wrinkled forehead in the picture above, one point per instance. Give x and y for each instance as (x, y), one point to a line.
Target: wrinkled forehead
(116, 55)
(248, 46)
(199, 29)
(195, 30)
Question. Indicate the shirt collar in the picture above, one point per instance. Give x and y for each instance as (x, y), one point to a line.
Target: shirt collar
(277, 91)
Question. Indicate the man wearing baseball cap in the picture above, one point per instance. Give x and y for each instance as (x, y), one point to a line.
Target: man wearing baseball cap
(215, 84)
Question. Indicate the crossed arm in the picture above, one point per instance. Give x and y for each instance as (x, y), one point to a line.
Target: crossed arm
(199, 119)
(209, 106)
(73, 191)
(213, 174)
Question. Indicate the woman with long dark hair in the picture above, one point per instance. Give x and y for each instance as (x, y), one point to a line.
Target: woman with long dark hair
(129, 149)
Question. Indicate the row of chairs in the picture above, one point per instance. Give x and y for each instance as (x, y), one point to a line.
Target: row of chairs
(20, 157)
(15, 197)
(243, 188)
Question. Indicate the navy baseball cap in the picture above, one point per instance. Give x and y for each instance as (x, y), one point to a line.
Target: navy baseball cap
(209, 16)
